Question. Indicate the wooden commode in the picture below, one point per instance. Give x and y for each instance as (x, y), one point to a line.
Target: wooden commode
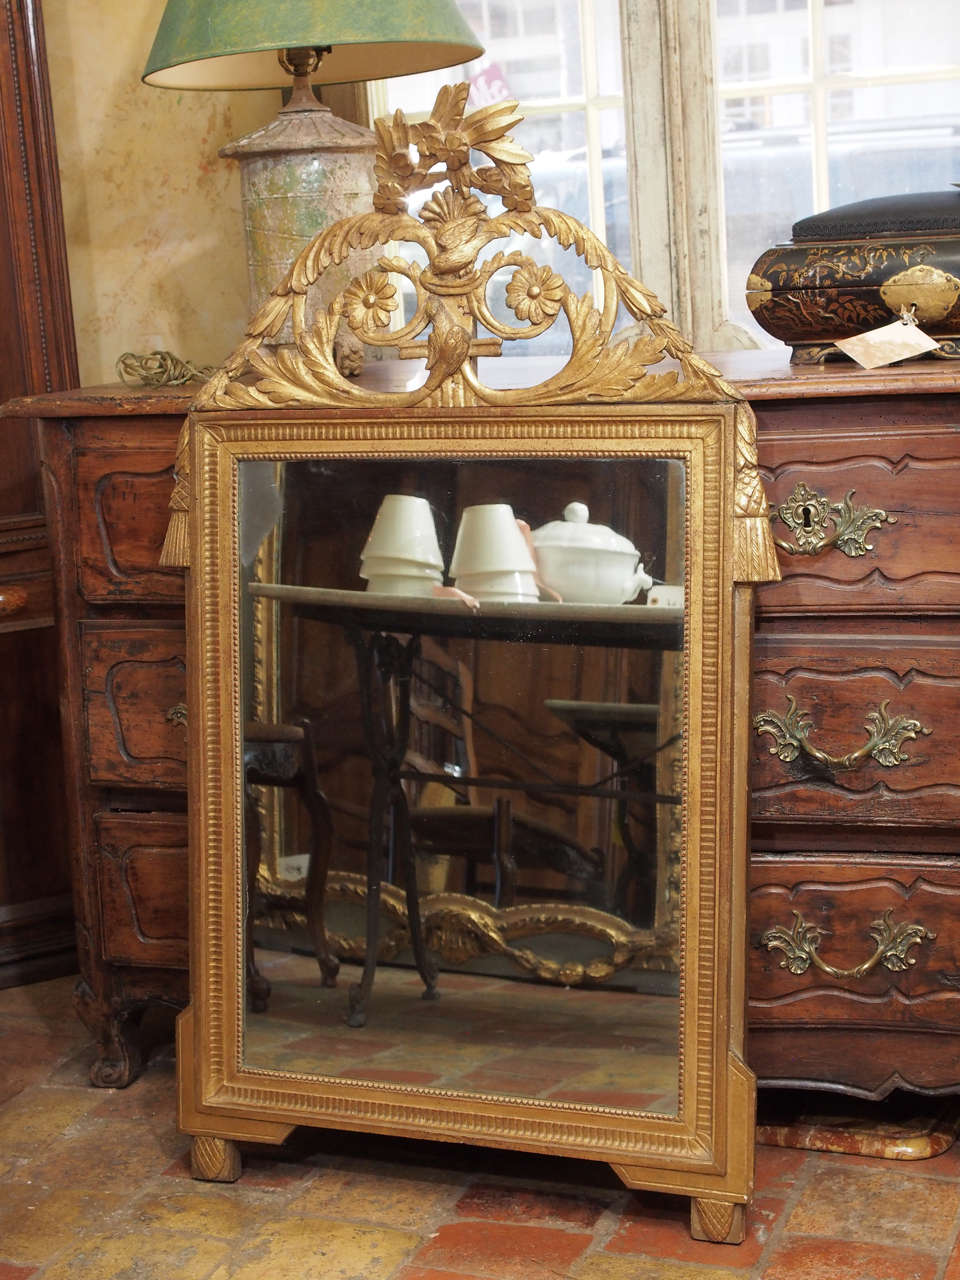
(854, 956)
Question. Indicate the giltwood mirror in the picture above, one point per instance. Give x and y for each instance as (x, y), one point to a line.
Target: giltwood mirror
(468, 833)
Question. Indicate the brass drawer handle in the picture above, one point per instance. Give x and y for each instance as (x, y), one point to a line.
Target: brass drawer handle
(800, 946)
(809, 516)
(177, 714)
(12, 600)
(885, 744)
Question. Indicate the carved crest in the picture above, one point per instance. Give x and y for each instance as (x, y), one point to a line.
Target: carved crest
(454, 318)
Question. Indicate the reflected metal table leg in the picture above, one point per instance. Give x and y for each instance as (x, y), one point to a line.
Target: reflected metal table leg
(425, 966)
(359, 992)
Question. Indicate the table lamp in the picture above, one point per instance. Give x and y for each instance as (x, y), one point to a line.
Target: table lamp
(308, 168)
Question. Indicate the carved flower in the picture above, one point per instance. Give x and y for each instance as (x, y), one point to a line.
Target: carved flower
(368, 301)
(534, 293)
(450, 148)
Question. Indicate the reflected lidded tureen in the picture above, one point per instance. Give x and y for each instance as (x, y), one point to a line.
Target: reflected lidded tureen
(588, 563)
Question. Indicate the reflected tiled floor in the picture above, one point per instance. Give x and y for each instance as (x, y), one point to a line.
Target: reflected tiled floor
(94, 1186)
(484, 1035)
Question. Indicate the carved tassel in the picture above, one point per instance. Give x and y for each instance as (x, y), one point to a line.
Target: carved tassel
(175, 552)
(756, 554)
(754, 549)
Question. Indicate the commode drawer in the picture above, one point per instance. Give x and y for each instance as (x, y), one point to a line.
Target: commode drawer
(134, 679)
(122, 500)
(856, 730)
(866, 942)
(864, 520)
(142, 882)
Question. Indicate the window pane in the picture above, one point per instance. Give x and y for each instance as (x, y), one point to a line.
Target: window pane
(890, 153)
(616, 203)
(534, 54)
(877, 138)
(768, 184)
(607, 37)
(881, 41)
(560, 181)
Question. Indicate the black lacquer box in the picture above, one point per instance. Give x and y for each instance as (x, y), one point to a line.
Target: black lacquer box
(853, 268)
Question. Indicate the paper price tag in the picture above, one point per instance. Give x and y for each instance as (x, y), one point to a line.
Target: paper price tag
(897, 341)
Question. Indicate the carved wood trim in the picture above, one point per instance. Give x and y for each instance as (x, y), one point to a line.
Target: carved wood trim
(32, 210)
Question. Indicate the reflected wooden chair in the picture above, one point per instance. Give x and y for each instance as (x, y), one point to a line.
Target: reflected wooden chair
(448, 818)
(284, 755)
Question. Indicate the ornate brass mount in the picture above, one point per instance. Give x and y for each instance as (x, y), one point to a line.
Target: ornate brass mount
(800, 946)
(790, 733)
(809, 516)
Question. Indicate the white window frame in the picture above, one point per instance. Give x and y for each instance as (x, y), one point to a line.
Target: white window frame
(673, 157)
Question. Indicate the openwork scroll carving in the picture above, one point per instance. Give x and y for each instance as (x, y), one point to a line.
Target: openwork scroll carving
(455, 318)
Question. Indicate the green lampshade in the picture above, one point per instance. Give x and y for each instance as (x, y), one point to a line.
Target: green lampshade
(232, 44)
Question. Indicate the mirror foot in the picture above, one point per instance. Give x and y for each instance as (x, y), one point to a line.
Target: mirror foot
(718, 1221)
(215, 1160)
(430, 993)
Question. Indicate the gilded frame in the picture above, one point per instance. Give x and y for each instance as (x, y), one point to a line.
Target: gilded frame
(706, 1149)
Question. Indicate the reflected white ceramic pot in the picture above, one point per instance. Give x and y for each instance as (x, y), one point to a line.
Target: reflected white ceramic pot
(512, 587)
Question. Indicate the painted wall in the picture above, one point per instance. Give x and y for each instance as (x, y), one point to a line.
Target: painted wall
(153, 222)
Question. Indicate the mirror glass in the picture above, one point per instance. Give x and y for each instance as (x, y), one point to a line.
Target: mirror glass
(484, 791)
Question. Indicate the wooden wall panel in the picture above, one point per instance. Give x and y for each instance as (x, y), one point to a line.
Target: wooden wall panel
(36, 337)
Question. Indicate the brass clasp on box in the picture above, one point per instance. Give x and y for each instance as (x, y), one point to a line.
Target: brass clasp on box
(800, 946)
(818, 524)
(790, 733)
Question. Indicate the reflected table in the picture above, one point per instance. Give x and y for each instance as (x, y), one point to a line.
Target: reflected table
(385, 632)
(627, 732)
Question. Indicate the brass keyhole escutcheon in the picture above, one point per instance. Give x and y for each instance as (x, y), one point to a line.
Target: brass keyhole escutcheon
(817, 523)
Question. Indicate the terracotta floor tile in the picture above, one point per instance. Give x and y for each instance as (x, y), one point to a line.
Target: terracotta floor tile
(21, 1044)
(205, 1209)
(778, 1169)
(46, 1001)
(889, 1204)
(409, 1199)
(511, 1252)
(658, 1226)
(102, 1155)
(424, 1273)
(38, 1115)
(326, 1046)
(835, 1259)
(123, 1255)
(384, 1075)
(607, 1266)
(10, 1271)
(616, 1098)
(953, 1265)
(319, 1249)
(518, 1204)
(36, 1223)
